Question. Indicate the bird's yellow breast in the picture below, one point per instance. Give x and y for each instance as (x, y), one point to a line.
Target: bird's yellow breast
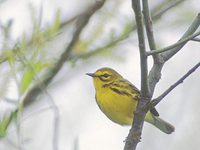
(118, 107)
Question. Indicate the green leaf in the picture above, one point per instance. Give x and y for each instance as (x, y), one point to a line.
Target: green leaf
(52, 30)
(10, 56)
(30, 72)
(4, 123)
(26, 80)
(23, 44)
(56, 24)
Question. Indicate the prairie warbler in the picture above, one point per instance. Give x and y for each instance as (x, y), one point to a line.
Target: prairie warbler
(117, 98)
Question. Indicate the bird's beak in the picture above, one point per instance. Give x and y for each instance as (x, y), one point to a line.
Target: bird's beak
(90, 74)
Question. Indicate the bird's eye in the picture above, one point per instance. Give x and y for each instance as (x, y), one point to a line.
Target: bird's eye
(106, 75)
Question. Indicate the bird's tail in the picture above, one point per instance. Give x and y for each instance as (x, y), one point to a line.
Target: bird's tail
(159, 123)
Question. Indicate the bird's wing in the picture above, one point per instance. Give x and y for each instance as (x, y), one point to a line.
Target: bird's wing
(123, 86)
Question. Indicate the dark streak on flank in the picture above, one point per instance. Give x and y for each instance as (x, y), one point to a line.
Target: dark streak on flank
(119, 91)
(117, 85)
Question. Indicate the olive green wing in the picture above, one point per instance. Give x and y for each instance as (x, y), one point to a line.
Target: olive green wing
(125, 87)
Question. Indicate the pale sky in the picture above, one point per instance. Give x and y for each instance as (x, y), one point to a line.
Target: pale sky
(80, 117)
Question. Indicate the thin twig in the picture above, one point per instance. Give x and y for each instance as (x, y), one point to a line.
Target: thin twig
(137, 125)
(157, 12)
(192, 28)
(56, 120)
(179, 43)
(136, 129)
(150, 36)
(56, 123)
(81, 23)
(148, 25)
(156, 15)
(155, 101)
(155, 72)
(196, 39)
(172, 4)
(143, 59)
(41, 86)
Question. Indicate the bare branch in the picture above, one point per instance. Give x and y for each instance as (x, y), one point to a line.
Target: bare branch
(175, 45)
(193, 27)
(56, 124)
(148, 25)
(149, 31)
(155, 72)
(137, 125)
(136, 129)
(143, 59)
(169, 4)
(196, 39)
(158, 99)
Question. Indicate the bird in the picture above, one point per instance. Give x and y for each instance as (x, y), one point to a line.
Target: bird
(117, 98)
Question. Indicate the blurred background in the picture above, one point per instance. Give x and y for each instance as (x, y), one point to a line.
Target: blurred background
(62, 111)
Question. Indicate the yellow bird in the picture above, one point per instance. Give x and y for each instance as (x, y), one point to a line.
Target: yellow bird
(117, 98)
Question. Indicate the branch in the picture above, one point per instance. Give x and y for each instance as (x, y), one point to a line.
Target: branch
(136, 129)
(81, 23)
(56, 124)
(143, 59)
(196, 39)
(172, 4)
(149, 31)
(41, 86)
(155, 72)
(137, 125)
(158, 99)
(193, 27)
(155, 17)
(175, 45)
(148, 25)
(157, 12)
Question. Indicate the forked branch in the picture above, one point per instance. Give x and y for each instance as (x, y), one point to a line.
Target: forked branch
(148, 86)
(179, 43)
(155, 72)
(157, 100)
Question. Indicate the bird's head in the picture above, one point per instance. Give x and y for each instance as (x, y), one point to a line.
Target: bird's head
(104, 76)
